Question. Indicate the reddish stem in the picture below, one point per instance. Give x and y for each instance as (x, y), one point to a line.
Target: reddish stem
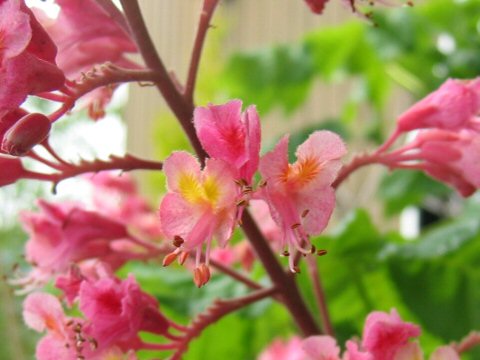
(285, 284)
(314, 272)
(125, 163)
(203, 26)
(356, 163)
(219, 309)
(235, 275)
(182, 109)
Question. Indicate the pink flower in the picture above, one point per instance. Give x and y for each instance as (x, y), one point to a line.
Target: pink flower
(116, 196)
(449, 156)
(27, 57)
(62, 234)
(316, 6)
(199, 206)
(284, 350)
(300, 195)
(66, 338)
(384, 334)
(230, 135)
(86, 36)
(321, 348)
(117, 311)
(454, 106)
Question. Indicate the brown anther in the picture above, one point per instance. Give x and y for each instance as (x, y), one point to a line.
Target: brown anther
(178, 241)
(294, 226)
(69, 322)
(241, 182)
(313, 249)
(93, 343)
(296, 270)
(77, 328)
(183, 257)
(305, 213)
(321, 252)
(201, 275)
(262, 183)
(286, 253)
(168, 259)
(80, 357)
(242, 202)
(410, 3)
(247, 190)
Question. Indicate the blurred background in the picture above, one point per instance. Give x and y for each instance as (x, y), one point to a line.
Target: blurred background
(397, 240)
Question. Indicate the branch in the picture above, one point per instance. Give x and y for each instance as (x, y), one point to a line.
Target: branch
(285, 284)
(125, 163)
(207, 13)
(236, 275)
(219, 309)
(182, 109)
(320, 295)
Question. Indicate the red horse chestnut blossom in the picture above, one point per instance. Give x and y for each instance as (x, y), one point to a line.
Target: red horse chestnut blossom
(300, 195)
(200, 205)
(27, 57)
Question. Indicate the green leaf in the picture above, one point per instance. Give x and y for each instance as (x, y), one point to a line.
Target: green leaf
(403, 188)
(438, 278)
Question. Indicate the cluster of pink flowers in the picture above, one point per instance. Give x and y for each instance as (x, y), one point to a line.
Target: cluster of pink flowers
(48, 58)
(202, 204)
(114, 312)
(385, 337)
(80, 250)
(446, 143)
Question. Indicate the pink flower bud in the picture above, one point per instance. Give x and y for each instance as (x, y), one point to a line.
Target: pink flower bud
(12, 170)
(29, 131)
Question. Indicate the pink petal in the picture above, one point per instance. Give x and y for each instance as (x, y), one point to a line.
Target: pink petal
(384, 334)
(322, 146)
(320, 205)
(220, 175)
(177, 167)
(274, 164)
(252, 124)
(221, 131)
(15, 30)
(42, 311)
(321, 348)
(411, 351)
(445, 353)
(177, 217)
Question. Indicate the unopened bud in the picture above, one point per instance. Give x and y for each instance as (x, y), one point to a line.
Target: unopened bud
(27, 132)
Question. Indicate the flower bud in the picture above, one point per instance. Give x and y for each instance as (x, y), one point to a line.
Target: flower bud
(12, 170)
(29, 131)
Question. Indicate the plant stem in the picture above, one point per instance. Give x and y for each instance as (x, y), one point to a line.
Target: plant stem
(320, 295)
(207, 13)
(235, 275)
(285, 284)
(356, 163)
(182, 109)
(219, 309)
